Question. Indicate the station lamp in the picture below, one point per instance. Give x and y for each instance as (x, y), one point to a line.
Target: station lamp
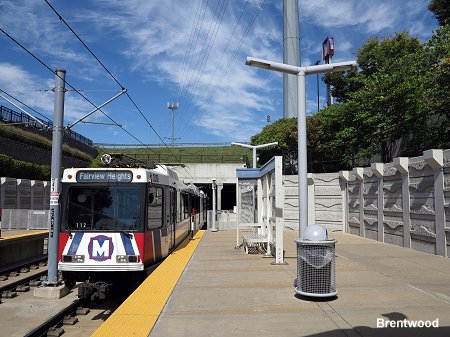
(301, 73)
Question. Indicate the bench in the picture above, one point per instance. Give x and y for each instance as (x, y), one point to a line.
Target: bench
(252, 242)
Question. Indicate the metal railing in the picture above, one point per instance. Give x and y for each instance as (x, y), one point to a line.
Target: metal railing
(157, 145)
(187, 158)
(11, 116)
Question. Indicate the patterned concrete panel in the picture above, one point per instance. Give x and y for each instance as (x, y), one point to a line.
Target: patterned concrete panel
(370, 196)
(328, 200)
(353, 204)
(447, 197)
(392, 208)
(421, 187)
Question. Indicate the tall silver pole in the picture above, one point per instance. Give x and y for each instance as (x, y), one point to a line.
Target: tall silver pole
(213, 226)
(254, 157)
(172, 106)
(330, 99)
(173, 132)
(291, 55)
(302, 155)
(58, 117)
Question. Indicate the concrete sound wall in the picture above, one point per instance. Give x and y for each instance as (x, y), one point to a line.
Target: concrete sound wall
(25, 203)
(324, 200)
(405, 202)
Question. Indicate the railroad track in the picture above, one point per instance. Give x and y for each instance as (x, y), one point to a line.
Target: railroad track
(17, 267)
(20, 277)
(54, 325)
(81, 318)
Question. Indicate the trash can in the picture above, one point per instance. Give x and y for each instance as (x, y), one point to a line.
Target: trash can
(316, 263)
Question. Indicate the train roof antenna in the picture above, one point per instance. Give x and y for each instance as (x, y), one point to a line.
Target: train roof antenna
(122, 160)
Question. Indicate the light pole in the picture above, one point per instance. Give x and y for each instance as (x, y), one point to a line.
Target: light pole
(301, 73)
(213, 225)
(318, 93)
(254, 147)
(173, 107)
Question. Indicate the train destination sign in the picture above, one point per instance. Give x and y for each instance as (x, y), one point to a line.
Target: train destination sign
(104, 176)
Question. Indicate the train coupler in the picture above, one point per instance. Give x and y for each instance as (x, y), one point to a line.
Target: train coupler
(93, 291)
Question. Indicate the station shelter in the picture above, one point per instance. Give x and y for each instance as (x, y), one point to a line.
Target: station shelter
(260, 205)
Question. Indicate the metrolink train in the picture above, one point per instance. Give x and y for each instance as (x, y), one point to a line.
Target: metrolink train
(119, 222)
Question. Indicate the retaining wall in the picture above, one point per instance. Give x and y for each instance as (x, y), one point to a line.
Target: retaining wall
(405, 203)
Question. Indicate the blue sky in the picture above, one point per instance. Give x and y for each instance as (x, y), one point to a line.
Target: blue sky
(191, 52)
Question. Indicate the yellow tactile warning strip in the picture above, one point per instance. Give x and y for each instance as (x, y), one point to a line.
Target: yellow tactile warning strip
(22, 235)
(138, 314)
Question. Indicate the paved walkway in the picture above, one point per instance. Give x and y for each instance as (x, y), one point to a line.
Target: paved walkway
(224, 292)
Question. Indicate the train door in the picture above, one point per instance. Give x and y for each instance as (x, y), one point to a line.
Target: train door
(172, 216)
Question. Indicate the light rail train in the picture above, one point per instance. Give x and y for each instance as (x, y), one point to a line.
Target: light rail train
(119, 222)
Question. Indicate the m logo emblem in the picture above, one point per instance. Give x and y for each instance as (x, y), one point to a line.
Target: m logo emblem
(100, 248)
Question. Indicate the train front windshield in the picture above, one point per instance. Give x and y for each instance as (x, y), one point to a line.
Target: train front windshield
(104, 208)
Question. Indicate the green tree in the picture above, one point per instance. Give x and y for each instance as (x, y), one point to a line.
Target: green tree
(437, 90)
(441, 10)
(283, 131)
(384, 104)
(396, 104)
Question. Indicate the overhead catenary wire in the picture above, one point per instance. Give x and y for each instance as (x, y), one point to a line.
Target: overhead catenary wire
(67, 83)
(182, 120)
(198, 24)
(17, 100)
(116, 80)
(206, 50)
(230, 60)
(84, 44)
(224, 51)
(187, 52)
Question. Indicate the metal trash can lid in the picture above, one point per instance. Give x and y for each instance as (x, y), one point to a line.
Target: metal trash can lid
(315, 232)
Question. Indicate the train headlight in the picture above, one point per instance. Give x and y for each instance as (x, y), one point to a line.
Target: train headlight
(73, 258)
(127, 258)
(78, 258)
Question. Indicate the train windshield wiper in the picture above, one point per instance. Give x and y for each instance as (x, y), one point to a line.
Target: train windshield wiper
(128, 235)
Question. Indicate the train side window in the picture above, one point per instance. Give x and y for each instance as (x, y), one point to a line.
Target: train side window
(155, 207)
(185, 206)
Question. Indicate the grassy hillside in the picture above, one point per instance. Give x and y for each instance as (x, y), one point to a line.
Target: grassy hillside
(224, 154)
(35, 139)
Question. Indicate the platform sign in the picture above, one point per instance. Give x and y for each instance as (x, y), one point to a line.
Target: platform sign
(328, 49)
(54, 198)
(100, 176)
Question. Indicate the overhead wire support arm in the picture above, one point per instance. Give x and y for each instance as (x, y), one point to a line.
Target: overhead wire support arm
(100, 123)
(123, 91)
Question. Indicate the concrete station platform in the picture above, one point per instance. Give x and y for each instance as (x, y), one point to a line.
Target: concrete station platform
(18, 246)
(9, 233)
(224, 292)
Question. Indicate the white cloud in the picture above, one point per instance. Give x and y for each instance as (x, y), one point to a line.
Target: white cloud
(148, 43)
(34, 25)
(375, 15)
(156, 43)
(27, 87)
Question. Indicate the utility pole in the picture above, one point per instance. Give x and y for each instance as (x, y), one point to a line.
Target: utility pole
(327, 56)
(291, 55)
(173, 107)
(55, 185)
(213, 226)
(318, 92)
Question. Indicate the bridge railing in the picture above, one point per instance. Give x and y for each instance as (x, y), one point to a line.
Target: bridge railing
(11, 116)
